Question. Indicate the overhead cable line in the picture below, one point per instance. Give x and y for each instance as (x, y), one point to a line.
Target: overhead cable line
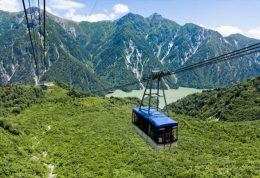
(30, 36)
(44, 31)
(93, 8)
(228, 56)
(33, 34)
(34, 37)
(39, 19)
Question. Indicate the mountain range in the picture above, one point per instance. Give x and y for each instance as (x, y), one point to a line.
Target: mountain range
(93, 56)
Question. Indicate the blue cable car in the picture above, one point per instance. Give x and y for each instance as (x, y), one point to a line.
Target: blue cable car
(158, 129)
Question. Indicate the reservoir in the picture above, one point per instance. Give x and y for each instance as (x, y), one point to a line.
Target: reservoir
(172, 95)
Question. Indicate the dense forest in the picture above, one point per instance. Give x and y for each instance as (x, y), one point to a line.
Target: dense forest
(236, 103)
(68, 134)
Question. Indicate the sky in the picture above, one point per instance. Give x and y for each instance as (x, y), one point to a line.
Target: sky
(225, 16)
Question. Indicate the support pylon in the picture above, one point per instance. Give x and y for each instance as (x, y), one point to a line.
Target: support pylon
(155, 77)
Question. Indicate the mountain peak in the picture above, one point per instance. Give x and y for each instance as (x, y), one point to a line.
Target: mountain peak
(155, 15)
(237, 35)
(32, 9)
(243, 39)
(131, 17)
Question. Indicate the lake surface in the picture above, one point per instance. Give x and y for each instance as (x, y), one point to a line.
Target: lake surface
(172, 95)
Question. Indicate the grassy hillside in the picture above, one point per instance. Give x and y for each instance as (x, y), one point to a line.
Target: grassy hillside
(72, 136)
(235, 103)
(15, 98)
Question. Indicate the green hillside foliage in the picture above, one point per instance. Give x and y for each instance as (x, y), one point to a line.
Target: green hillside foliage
(15, 98)
(73, 73)
(236, 103)
(93, 137)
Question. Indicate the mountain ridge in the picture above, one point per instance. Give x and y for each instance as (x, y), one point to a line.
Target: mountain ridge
(124, 50)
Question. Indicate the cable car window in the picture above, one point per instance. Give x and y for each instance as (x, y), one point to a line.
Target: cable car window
(167, 133)
(160, 135)
(174, 133)
(152, 133)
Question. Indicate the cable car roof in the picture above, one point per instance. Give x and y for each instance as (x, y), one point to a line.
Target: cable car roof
(155, 117)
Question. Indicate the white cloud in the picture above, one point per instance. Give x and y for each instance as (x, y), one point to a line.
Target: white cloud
(120, 8)
(72, 14)
(48, 9)
(100, 17)
(65, 4)
(254, 33)
(203, 26)
(90, 18)
(70, 9)
(10, 5)
(228, 30)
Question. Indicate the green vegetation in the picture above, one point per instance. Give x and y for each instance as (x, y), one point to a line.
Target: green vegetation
(15, 98)
(236, 103)
(92, 137)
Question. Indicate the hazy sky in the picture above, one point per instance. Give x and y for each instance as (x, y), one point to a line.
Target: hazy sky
(225, 16)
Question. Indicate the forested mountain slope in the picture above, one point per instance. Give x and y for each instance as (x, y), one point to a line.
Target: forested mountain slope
(235, 103)
(92, 56)
(69, 134)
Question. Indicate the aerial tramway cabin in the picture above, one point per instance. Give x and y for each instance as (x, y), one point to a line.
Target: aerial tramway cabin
(159, 130)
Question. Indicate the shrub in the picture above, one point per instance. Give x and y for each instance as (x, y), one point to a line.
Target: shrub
(16, 110)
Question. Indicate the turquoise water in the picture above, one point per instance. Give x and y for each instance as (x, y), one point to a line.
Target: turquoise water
(172, 95)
